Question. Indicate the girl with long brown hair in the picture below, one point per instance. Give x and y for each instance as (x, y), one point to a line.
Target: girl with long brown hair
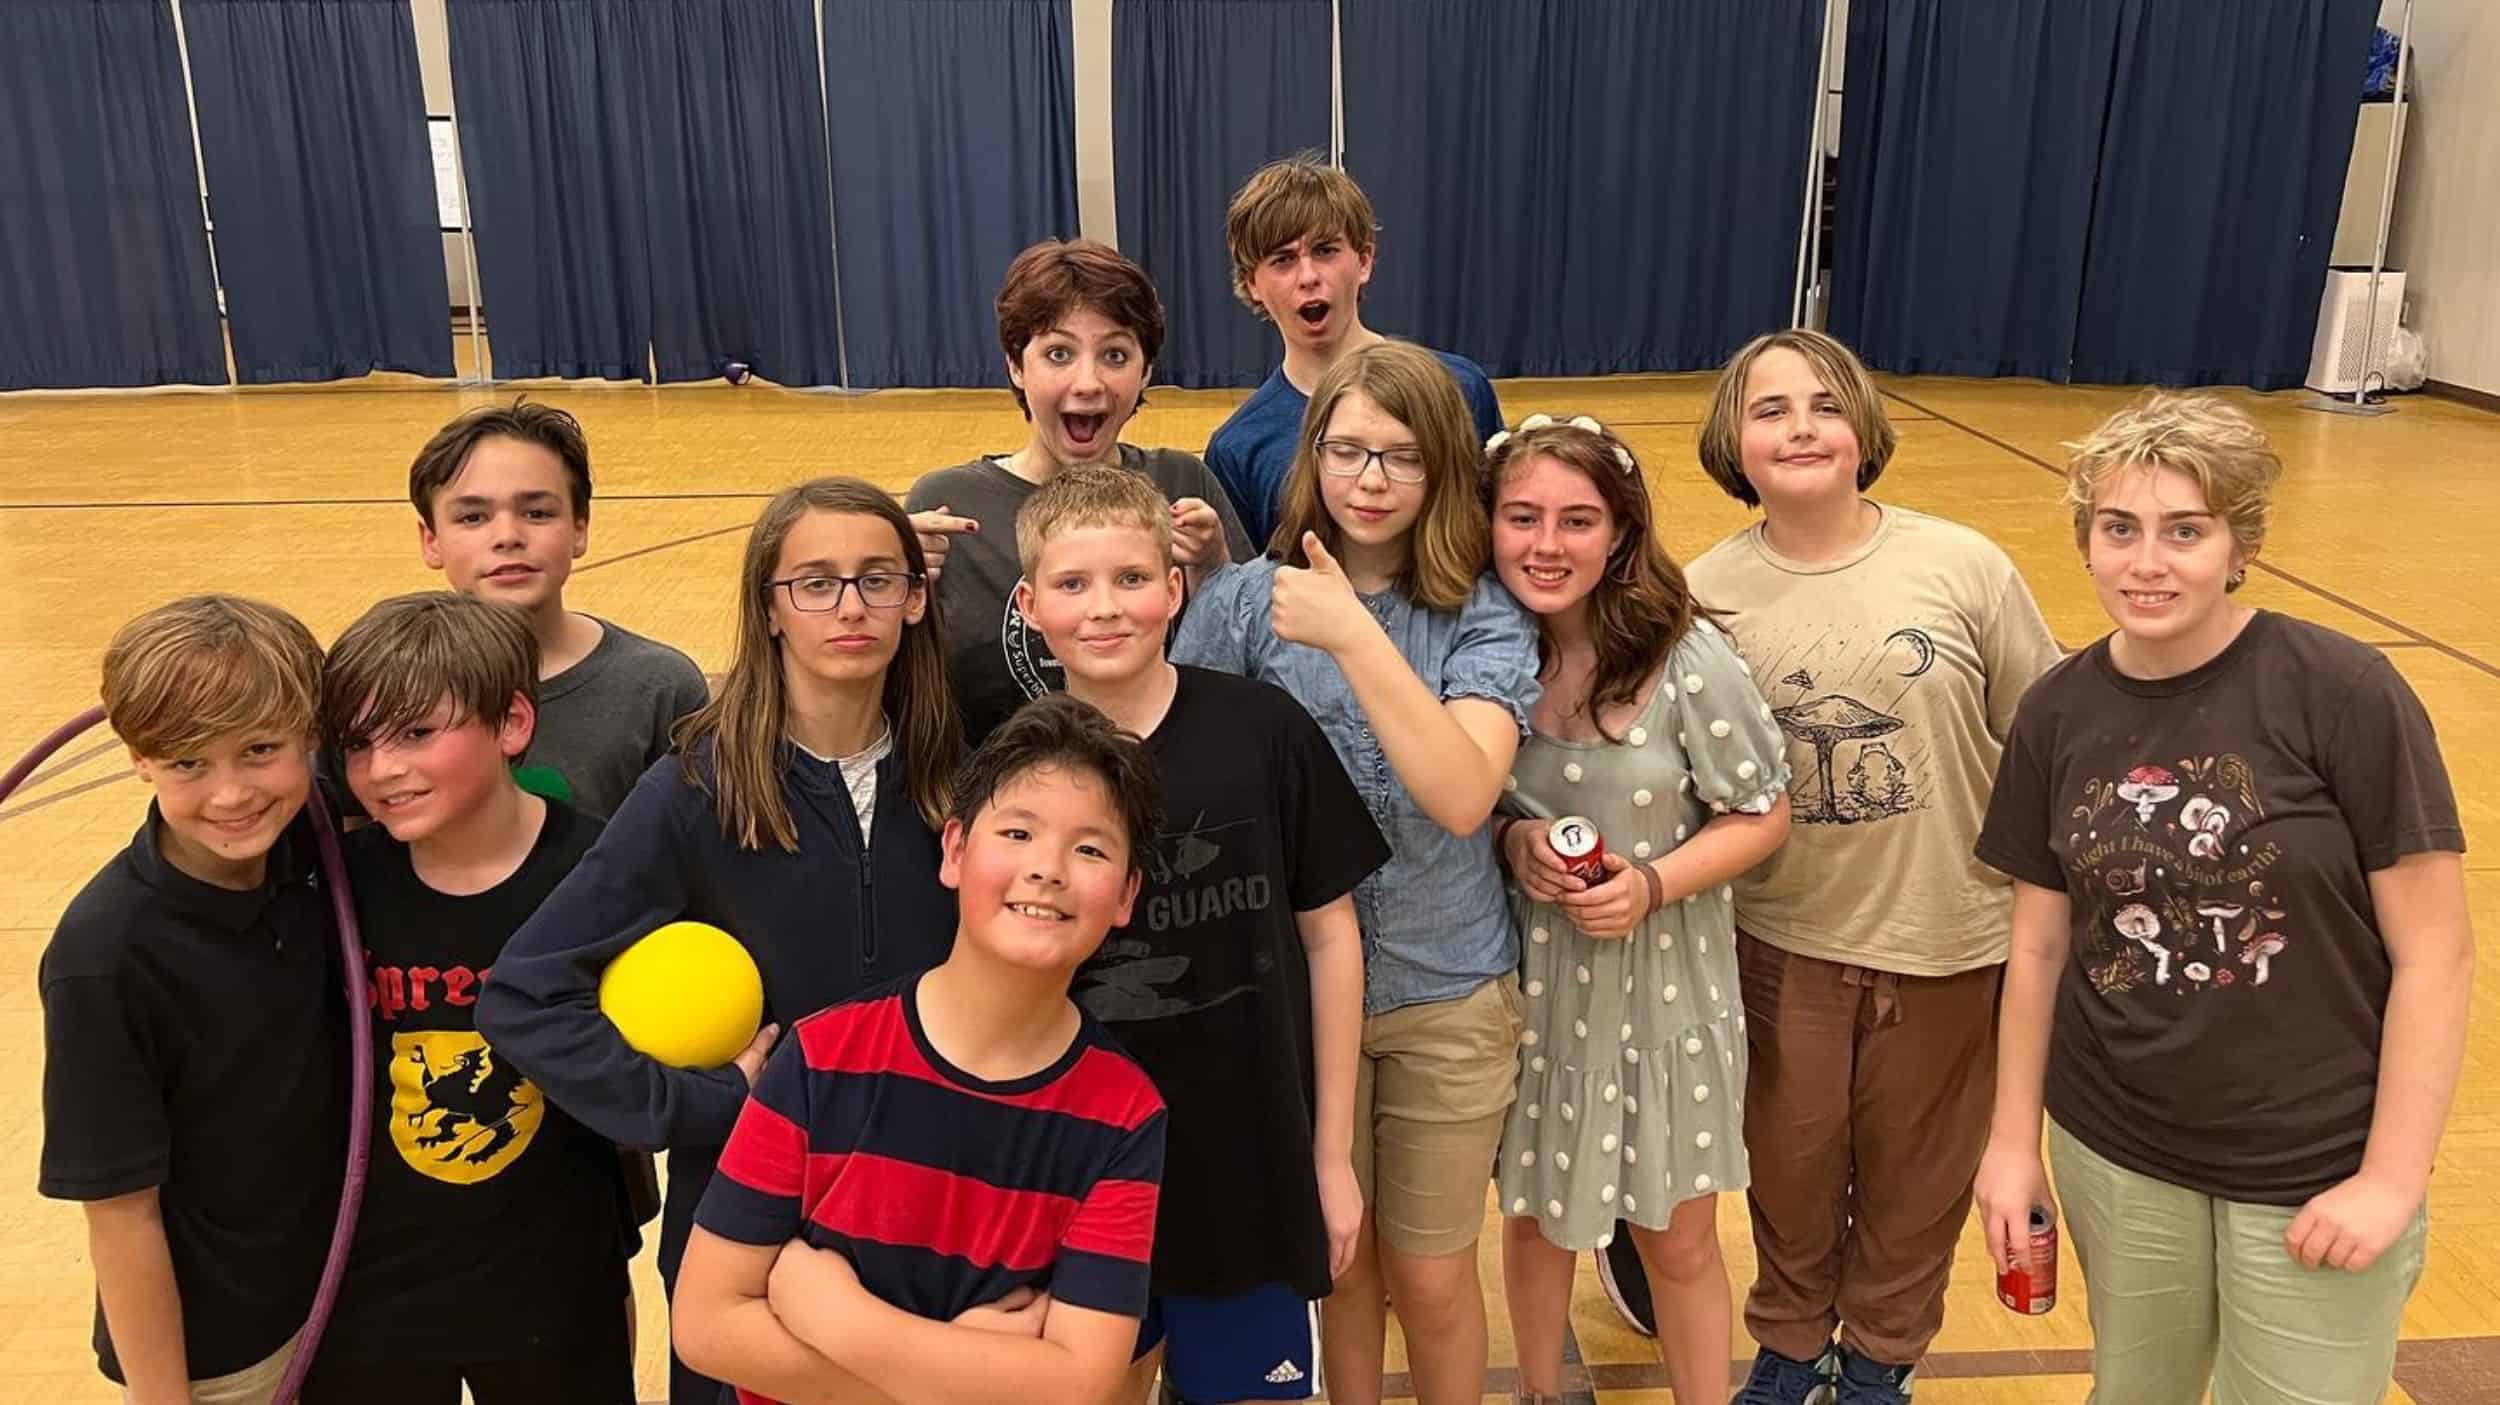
(800, 814)
(1649, 735)
(1375, 611)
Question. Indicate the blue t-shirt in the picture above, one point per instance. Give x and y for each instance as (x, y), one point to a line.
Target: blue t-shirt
(1252, 452)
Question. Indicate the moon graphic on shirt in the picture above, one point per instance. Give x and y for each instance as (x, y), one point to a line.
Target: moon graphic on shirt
(1919, 644)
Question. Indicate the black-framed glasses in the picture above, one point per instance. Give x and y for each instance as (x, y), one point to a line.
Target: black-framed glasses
(878, 590)
(1343, 458)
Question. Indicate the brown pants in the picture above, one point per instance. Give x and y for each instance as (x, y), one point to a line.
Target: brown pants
(1866, 1109)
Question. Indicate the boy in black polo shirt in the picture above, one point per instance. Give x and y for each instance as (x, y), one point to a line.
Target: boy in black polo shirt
(490, 1252)
(192, 1084)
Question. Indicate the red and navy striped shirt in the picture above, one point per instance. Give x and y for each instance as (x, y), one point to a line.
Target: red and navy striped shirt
(944, 1190)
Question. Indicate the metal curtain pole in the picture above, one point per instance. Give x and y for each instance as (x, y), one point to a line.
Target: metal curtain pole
(1336, 85)
(2386, 208)
(199, 171)
(1809, 228)
(468, 228)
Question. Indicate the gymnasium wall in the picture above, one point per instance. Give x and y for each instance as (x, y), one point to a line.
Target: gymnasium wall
(2446, 230)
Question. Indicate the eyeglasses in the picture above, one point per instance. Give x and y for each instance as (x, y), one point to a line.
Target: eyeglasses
(878, 590)
(1343, 458)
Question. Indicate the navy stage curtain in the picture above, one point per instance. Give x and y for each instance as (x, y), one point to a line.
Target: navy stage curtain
(2221, 178)
(740, 216)
(104, 274)
(1576, 187)
(321, 181)
(1966, 175)
(953, 129)
(1204, 92)
(550, 102)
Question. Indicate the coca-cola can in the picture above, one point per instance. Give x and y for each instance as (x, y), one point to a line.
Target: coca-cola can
(2030, 1286)
(1582, 850)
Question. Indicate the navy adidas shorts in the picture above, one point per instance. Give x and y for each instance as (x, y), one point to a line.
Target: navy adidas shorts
(1259, 1345)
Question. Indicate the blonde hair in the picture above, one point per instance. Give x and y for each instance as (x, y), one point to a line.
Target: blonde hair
(1840, 371)
(746, 720)
(1451, 542)
(2200, 435)
(391, 667)
(1091, 495)
(1301, 196)
(207, 665)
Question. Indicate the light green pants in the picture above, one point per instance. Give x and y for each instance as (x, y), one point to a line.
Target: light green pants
(2186, 1288)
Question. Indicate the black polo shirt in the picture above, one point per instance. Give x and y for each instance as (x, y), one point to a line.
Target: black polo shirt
(193, 1041)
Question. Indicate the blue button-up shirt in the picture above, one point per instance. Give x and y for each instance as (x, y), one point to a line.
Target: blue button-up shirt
(1435, 922)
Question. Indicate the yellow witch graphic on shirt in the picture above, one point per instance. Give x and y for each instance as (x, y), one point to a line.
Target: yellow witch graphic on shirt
(458, 1113)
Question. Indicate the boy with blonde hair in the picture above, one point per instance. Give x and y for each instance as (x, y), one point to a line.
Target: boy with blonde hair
(1238, 984)
(192, 1082)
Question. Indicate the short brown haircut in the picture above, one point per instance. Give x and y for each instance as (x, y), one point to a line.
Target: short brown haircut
(1091, 495)
(554, 430)
(2201, 435)
(1722, 434)
(1451, 542)
(1057, 732)
(208, 665)
(392, 666)
(1299, 197)
(1058, 276)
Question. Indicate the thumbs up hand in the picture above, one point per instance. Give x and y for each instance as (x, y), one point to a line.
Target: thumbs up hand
(1316, 605)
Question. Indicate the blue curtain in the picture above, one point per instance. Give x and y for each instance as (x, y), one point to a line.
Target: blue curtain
(1608, 185)
(321, 181)
(550, 104)
(2232, 119)
(954, 147)
(740, 218)
(1967, 157)
(104, 275)
(1181, 151)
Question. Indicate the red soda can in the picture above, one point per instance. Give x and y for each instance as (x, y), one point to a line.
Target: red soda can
(1582, 851)
(2030, 1286)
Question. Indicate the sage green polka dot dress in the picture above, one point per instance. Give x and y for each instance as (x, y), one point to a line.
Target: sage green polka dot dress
(1632, 1068)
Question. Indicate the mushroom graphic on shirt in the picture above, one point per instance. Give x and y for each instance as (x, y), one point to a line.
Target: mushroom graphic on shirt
(1824, 723)
(2141, 925)
(2146, 787)
(2258, 949)
(2208, 820)
(2221, 912)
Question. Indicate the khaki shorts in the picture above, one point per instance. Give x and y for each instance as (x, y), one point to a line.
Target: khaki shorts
(1430, 1094)
(253, 1385)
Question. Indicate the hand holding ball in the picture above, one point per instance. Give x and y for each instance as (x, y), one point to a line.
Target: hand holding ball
(687, 995)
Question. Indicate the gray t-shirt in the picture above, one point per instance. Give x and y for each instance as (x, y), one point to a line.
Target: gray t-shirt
(602, 722)
(995, 661)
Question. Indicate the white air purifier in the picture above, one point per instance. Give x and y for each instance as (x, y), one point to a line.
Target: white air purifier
(2350, 350)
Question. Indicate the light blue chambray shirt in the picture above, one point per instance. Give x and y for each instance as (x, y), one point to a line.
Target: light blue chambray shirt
(1436, 923)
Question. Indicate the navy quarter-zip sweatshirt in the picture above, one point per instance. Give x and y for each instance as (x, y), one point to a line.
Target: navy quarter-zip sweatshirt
(823, 924)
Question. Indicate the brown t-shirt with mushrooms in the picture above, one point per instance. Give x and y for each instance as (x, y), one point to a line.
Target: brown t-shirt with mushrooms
(1894, 672)
(2218, 1022)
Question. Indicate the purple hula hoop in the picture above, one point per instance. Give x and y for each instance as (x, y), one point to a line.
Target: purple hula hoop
(360, 1043)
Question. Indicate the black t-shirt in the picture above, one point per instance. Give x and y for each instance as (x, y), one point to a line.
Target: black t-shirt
(194, 1042)
(2218, 1024)
(1208, 988)
(492, 1225)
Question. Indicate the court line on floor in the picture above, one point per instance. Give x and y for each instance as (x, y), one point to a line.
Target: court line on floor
(2417, 637)
(720, 495)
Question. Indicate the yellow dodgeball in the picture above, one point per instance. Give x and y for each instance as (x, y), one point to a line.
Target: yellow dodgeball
(688, 995)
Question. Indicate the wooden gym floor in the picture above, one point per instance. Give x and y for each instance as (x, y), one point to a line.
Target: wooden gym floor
(109, 504)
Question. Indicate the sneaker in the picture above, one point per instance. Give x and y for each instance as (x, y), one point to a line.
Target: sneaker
(1865, 1382)
(1779, 1380)
(1619, 1272)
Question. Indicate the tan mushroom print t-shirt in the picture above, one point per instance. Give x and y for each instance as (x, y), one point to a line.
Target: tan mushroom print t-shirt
(1894, 671)
(2219, 1016)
